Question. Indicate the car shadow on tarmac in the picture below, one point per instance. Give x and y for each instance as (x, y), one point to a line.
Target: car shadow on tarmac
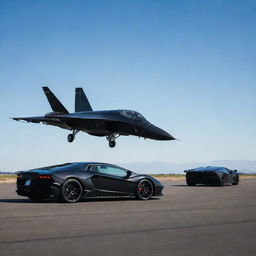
(204, 186)
(15, 201)
(87, 200)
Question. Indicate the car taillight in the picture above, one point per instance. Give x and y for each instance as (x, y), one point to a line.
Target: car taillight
(45, 177)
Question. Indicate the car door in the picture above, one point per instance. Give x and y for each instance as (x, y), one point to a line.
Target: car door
(112, 179)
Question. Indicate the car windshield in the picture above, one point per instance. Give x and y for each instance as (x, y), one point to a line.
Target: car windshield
(109, 170)
(132, 115)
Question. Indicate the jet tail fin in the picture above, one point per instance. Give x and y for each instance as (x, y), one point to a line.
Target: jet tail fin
(81, 101)
(56, 105)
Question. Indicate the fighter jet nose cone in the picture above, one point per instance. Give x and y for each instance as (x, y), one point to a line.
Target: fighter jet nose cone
(166, 136)
(158, 134)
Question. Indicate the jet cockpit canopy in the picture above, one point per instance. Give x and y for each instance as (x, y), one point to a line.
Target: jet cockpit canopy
(132, 115)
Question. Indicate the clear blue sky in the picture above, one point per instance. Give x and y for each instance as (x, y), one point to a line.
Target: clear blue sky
(188, 66)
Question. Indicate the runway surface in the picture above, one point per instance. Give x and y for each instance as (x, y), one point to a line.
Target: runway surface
(185, 221)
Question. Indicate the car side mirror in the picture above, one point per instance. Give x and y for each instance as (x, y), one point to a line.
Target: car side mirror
(128, 174)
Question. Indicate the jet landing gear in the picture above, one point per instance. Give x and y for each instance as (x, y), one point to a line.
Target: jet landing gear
(72, 135)
(112, 139)
(112, 143)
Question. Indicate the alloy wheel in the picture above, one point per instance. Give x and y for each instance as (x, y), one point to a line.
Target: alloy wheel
(72, 191)
(144, 190)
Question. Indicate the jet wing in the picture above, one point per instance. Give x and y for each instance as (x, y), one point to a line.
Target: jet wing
(35, 119)
(70, 122)
(44, 120)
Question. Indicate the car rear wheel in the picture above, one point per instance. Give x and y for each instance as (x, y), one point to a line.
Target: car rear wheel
(144, 190)
(71, 191)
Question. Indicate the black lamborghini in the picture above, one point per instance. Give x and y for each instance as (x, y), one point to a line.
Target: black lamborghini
(71, 182)
(212, 175)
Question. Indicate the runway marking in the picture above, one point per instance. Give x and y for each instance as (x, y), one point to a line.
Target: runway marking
(126, 232)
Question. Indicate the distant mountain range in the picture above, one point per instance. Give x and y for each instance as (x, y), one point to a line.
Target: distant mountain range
(6, 172)
(243, 166)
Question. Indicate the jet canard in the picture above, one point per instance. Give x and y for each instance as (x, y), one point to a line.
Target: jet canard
(107, 123)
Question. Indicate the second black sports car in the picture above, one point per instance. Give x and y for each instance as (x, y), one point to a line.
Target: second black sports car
(212, 175)
(71, 181)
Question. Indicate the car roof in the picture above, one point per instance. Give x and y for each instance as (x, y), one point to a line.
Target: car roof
(209, 169)
(60, 167)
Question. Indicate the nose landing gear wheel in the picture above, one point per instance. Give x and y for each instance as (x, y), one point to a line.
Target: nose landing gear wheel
(112, 139)
(70, 137)
(112, 143)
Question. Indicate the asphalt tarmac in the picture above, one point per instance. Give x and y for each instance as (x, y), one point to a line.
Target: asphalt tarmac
(185, 221)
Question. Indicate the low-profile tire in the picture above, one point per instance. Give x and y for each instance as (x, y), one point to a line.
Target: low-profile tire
(35, 197)
(236, 181)
(222, 181)
(71, 191)
(144, 189)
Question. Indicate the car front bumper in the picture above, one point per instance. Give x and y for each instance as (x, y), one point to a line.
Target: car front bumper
(158, 191)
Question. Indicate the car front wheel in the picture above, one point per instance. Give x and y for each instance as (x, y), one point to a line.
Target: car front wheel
(144, 190)
(71, 191)
(222, 181)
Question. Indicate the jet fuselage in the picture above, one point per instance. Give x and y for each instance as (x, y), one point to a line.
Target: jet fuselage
(109, 123)
(103, 123)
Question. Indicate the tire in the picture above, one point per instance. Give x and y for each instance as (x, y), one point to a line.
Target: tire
(236, 181)
(35, 197)
(112, 143)
(222, 181)
(71, 191)
(70, 137)
(144, 190)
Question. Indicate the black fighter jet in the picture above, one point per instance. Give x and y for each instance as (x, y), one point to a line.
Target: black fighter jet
(109, 123)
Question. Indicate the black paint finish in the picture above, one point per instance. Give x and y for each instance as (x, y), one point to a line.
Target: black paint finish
(212, 175)
(97, 179)
(109, 123)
